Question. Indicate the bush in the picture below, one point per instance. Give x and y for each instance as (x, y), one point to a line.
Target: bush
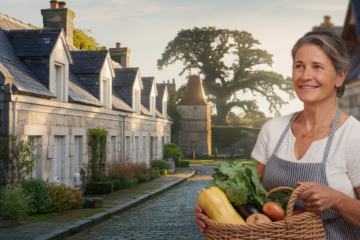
(117, 184)
(15, 204)
(161, 164)
(62, 198)
(154, 173)
(100, 177)
(173, 151)
(132, 182)
(144, 178)
(100, 188)
(37, 190)
(137, 171)
(115, 177)
(163, 172)
(184, 164)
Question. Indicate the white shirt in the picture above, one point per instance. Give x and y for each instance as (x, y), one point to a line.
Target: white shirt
(343, 163)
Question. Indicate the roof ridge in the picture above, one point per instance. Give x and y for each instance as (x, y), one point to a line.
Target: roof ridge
(15, 20)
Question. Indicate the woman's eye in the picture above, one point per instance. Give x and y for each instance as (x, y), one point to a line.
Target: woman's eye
(318, 67)
(298, 66)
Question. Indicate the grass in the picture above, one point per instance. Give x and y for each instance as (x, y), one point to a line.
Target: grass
(212, 162)
(38, 217)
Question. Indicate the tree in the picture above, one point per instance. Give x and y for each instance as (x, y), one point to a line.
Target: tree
(173, 112)
(83, 41)
(206, 48)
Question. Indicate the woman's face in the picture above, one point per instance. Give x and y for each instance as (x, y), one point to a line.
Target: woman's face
(314, 75)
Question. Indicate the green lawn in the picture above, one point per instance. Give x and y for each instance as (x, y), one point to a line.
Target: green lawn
(213, 162)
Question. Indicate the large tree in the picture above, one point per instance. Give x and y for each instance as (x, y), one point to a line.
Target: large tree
(206, 48)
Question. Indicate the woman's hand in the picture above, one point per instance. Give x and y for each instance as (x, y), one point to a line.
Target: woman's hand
(200, 216)
(317, 197)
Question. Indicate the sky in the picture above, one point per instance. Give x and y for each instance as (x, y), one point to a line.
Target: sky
(146, 26)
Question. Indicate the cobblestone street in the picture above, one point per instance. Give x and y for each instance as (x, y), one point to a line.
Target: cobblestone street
(167, 216)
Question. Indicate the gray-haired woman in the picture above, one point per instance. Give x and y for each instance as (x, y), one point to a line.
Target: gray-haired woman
(318, 147)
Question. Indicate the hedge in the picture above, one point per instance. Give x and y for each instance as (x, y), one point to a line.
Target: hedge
(173, 151)
(163, 172)
(227, 136)
(184, 164)
(144, 178)
(117, 184)
(161, 164)
(100, 188)
(154, 173)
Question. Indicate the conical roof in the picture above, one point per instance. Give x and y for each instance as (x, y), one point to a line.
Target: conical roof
(194, 92)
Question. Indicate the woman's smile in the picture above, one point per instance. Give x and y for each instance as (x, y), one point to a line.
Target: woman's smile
(308, 88)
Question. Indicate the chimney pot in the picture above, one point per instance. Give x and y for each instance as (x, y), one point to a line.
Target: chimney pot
(62, 4)
(164, 81)
(53, 4)
(327, 19)
(168, 81)
(118, 45)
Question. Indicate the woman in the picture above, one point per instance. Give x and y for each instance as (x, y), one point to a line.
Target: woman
(318, 147)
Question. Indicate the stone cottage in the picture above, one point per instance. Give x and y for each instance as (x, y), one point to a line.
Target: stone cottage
(54, 93)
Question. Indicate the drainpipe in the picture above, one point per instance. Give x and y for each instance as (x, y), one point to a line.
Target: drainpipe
(123, 136)
(14, 116)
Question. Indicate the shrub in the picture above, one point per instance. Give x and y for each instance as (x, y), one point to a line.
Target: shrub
(100, 188)
(163, 172)
(115, 177)
(123, 167)
(137, 171)
(37, 190)
(100, 177)
(161, 164)
(154, 173)
(144, 178)
(117, 184)
(184, 164)
(132, 182)
(62, 198)
(15, 203)
(173, 151)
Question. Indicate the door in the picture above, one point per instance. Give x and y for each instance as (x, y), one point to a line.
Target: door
(113, 149)
(33, 171)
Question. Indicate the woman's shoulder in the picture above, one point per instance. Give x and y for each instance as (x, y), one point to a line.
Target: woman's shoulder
(352, 128)
(279, 122)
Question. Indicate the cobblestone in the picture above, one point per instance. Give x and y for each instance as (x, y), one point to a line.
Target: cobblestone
(167, 216)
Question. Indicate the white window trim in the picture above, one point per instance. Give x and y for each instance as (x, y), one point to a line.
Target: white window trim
(54, 86)
(105, 99)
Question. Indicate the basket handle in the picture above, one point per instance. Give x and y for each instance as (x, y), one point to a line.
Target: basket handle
(293, 197)
(278, 189)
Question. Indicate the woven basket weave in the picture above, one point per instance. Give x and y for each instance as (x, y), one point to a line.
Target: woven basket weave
(304, 226)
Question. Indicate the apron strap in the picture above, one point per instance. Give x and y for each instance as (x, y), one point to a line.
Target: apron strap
(331, 135)
(284, 133)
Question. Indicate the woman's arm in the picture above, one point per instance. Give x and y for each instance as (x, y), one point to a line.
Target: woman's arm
(260, 167)
(319, 198)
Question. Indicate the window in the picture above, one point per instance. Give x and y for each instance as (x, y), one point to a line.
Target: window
(136, 102)
(165, 109)
(156, 148)
(57, 159)
(144, 149)
(127, 155)
(152, 106)
(77, 155)
(58, 86)
(137, 150)
(33, 171)
(195, 112)
(105, 93)
(113, 148)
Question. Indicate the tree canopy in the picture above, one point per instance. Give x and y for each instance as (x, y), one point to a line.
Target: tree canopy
(206, 48)
(173, 112)
(83, 41)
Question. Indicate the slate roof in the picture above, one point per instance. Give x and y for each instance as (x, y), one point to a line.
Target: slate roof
(25, 80)
(124, 81)
(146, 91)
(144, 111)
(194, 92)
(158, 114)
(119, 103)
(88, 62)
(159, 98)
(9, 23)
(34, 42)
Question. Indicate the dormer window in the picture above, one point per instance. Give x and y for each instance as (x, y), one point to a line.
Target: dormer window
(165, 109)
(136, 102)
(57, 87)
(105, 92)
(152, 106)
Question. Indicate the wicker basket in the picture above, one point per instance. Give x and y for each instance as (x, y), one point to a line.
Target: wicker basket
(304, 226)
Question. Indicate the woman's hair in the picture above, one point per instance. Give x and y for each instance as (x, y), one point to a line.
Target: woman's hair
(333, 46)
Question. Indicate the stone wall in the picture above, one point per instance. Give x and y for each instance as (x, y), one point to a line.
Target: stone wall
(350, 101)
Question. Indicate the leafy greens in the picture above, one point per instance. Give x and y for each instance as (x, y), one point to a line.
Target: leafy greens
(240, 183)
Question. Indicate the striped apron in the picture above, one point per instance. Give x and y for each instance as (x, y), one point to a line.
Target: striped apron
(279, 172)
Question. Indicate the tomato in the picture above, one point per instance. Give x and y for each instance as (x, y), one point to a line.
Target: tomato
(297, 212)
(274, 211)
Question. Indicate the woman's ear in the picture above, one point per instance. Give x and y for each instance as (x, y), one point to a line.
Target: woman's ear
(340, 78)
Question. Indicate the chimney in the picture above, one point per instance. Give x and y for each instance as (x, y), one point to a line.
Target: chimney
(62, 4)
(327, 19)
(168, 81)
(173, 80)
(164, 81)
(53, 4)
(121, 55)
(61, 17)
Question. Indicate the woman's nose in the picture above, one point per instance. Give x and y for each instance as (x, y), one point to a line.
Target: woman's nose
(307, 74)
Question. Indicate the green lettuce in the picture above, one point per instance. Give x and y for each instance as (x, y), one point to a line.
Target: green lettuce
(280, 197)
(240, 183)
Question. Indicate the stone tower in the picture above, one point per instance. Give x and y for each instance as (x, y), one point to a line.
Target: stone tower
(195, 133)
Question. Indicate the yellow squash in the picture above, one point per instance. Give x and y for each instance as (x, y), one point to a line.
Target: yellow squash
(217, 206)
